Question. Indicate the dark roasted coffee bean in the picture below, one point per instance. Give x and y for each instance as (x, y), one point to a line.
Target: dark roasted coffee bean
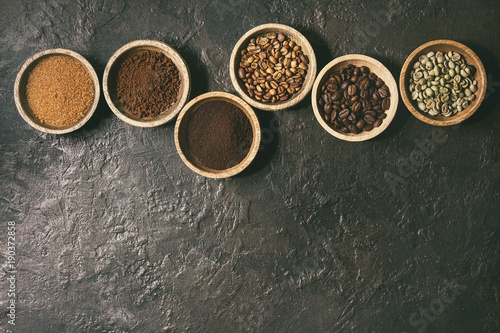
(356, 107)
(386, 103)
(383, 93)
(345, 129)
(352, 90)
(336, 96)
(364, 94)
(334, 115)
(366, 104)
(377, 123)
(364, 84)
(346, 122)
(379, 83)
(369, 119)
(382, 116)
(351, 117)
(321, 102)
(372, 76)
(365, 70)
(344, 113)
(367, 128)
(353, 128)
(339, 123)
(327, 108)
(344, 85)
(361, 123)
(356, 71)
(371, 113)
(327, 117)
(353, 79)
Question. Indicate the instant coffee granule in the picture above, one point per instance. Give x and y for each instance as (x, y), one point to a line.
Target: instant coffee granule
(148, 84)
(219, 135)
(60, 91)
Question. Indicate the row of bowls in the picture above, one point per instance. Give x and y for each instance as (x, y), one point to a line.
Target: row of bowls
(311, 84)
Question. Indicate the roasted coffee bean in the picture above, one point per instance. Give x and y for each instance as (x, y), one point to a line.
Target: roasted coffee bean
(361, 123)
(369, 119)
(382, 116)
(353, 128)
(336, 96)
(356, 107)
(327, 108)
(383, 93)
(344, 113)
(377, 123)
(367, 128)
(352, 90)
(386, 103)
(344, 85)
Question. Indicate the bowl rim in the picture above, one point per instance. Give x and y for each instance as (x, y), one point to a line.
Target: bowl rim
(363, 136)
(460, 116)
(176, 58)
(310, 76)
(252, 117)
(37, 57)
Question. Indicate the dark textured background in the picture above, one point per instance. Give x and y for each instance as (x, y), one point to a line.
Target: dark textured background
(116, 234)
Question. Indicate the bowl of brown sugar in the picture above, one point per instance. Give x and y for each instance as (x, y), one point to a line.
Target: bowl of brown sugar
(56, 91)
(217, 135)
(146, 83)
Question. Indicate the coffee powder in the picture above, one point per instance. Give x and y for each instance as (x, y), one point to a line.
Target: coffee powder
(219, 135)
(147, 83)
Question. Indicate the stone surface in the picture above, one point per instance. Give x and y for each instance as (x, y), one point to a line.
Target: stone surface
(115, 234)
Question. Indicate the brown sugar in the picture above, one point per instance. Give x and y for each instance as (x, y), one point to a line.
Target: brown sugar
(60, 91)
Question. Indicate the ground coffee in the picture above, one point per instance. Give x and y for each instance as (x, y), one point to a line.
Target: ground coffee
(147, 84)
(219, 135)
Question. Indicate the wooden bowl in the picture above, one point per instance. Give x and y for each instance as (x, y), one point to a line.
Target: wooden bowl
(181, 141)
(375, 67)
(471, 59)
(293, 35)
(111, 72)
(21, 99)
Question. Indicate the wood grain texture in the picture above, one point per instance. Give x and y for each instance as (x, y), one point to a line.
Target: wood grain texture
(470, 57)
(293, 35)
(21, 99)
(376, 67)
(181, 141)
(111, 72)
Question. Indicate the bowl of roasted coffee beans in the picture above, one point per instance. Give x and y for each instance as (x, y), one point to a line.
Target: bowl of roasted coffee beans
(443, 82)
(56, 91)
(146, 83)
(273, 67)
(355, 97)
(217, 135)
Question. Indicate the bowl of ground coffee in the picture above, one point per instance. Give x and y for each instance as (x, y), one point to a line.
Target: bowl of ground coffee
(217, 135)
(56, 91)
(146, 83)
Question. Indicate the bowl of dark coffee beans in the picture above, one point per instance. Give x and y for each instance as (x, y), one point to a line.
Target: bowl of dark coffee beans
(355, 97)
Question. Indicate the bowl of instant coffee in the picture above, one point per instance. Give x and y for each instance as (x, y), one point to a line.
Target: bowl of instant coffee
(273, 67)
(217, 135)
(56, 91)
(355, 97)
(146, 83)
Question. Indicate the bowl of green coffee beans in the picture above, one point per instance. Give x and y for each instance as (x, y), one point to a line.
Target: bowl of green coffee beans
(443, 83)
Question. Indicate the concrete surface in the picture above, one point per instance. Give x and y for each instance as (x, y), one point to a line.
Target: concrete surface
(115, 234)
